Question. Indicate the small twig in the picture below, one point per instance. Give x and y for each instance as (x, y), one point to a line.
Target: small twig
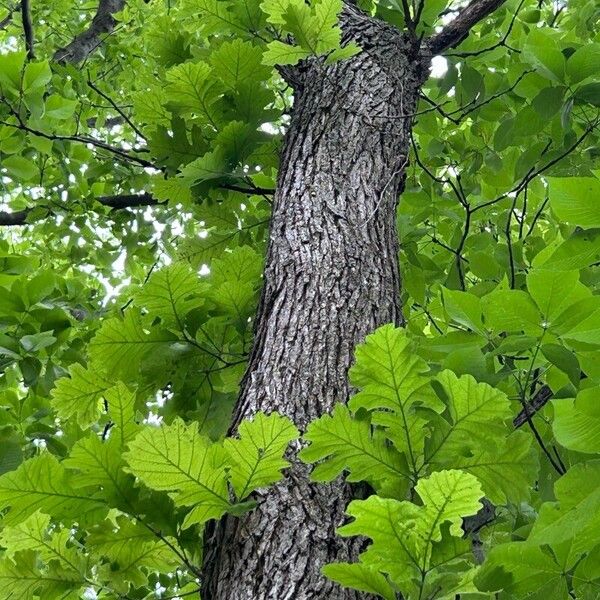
(501, 43)
(79, 139)
(116, 107)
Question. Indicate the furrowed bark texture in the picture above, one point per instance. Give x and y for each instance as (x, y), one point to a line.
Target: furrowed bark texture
(331, 277)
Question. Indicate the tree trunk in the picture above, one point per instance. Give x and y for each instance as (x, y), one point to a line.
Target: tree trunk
(331, 277)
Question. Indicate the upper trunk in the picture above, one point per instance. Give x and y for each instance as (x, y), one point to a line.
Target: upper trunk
(331, 277)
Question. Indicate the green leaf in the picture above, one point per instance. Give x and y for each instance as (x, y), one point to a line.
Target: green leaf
(553, 291)
(519, 569)
(242, 265)
(580, 250)
(37, 341)
(36, 76)
(506, 470)
(404, 534)
(563, 359)
(543, 50)
(576, 422)
(257, 454)
(25, 580)
(511, 311)
(279, 53)
(392, 378)
(80, 395)
(34, 534)
(20, 168)
(237, 62)
(99, 465)
(121, 410)
(177, 459)
(171, 293)
(575, 514)
(575, 200)
(133, 551)
(474, 419)
(194, 89)
(341, 442)
(360, 577)
(463, 308)
(589, 93)
(549, 101)
(59, 108)
(121, 345)
(41, 483)
(584, 63)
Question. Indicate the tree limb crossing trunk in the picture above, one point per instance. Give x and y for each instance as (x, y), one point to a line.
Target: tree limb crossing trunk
(331, 277)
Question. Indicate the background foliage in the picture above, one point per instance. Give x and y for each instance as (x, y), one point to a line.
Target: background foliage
(124, 331)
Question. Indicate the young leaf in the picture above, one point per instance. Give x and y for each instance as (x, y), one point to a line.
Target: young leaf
(257, 452)
(121, 344)
(177, 459)
(171, 293)
(342, 442)
(475, 419)
(41, 483)
(80, 395)
(360, 577)
(404, 534)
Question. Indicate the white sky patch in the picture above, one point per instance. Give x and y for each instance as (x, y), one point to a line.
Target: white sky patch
(439, 67)
(269, 128)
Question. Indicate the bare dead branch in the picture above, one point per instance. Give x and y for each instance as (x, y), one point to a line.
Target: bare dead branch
(87, 41)
(458, 29)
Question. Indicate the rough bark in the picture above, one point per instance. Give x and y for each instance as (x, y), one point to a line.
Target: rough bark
(87, 41)
(331, 277)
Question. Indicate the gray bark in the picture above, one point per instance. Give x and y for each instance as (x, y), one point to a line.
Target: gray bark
(331, 277)
(87, 41)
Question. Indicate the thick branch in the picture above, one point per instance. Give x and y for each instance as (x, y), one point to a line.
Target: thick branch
(27, 29)
(458, 29)
(87, 41)
(537, 403)
(115, 202)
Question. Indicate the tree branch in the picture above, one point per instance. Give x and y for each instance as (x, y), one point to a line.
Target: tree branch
(87, 41)
(27, 29)
(4, 23)
(458, 29)
(118, 202)
(536, 404)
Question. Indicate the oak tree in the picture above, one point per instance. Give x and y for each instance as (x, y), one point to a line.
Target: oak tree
(299, 299)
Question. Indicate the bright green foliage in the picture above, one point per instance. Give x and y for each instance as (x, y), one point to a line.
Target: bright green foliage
(406, 427)
(42, 483)
(463, 425)
(124, 334)
(314, 28)
(341, 443)
(177, 459)
(80, 395)
(411, 543)
(257, 455)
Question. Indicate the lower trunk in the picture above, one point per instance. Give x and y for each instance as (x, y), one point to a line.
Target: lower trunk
(331, 277)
